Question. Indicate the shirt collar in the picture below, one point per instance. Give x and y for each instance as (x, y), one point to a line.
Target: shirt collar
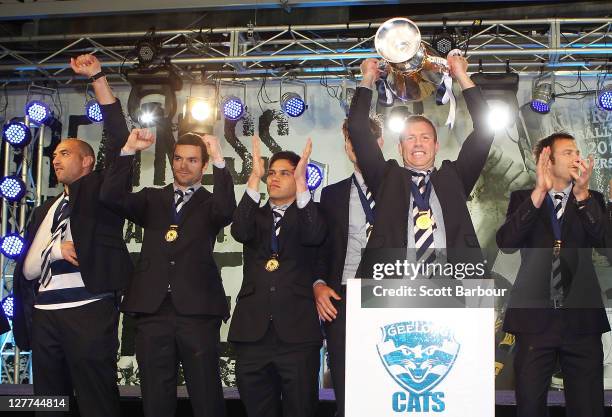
(195, 187)
(566, 191)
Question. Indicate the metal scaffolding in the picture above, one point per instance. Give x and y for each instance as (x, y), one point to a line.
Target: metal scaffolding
(303, 51)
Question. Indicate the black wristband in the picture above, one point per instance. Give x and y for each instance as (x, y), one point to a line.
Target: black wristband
(583, 203)
(96, 76)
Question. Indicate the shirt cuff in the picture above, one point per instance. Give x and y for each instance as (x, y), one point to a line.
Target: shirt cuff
(253, 194)
(302, 199)
(319, 281)
(126, 153)
(56, 251)
(219, 165)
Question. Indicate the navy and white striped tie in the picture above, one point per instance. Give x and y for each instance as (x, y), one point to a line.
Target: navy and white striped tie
(372, 204)
(181, 197)
(277, 213)
(61, 217)
(423, 239)
(556, 284)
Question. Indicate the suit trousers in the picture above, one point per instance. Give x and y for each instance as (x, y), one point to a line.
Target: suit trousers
(276, 378)
(75, 349)
(165, 338)
(335, 334)
(581, 360)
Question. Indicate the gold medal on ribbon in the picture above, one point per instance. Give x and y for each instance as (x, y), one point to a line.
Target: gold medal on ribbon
(172, 233)
(423, 220)
(273, 264)
(557, 248)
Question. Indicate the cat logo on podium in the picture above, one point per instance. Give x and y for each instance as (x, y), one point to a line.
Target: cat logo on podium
(418, 355)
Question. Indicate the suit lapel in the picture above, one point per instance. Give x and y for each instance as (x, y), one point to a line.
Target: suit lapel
(287, 223)
(343, 208)
(192, 204)
(568, 215)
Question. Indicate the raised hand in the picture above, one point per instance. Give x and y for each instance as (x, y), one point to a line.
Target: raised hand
(138, 140)
(370, 71)
(457, 65)
(300, 170)
(258, 171)
(544, 181)
(87, 65)
(582, 177)
(213, 146)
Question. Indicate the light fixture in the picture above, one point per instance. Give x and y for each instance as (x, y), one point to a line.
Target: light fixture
(397, 118)
(8, 306)
(443, 42)
(38, 111)
(150, 113)
(12, 188)
(12, 245)
(16, 134)
(93, 111)
(233, 108)
(314, 176)
(500, 115)
(542, 93)
(199, 115)
(499, 90)
(291, 103)
(604, 98)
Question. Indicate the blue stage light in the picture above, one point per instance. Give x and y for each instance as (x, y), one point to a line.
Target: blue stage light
(12, 245)
(604, 98)
(38, 111)
(233, 108)
(12, 188)
(539, 106)
(293, 105)
(314, 177)
(93, 111)
(7, 306)
(16, 134)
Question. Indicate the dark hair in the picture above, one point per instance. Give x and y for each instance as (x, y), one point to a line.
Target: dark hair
(418, 118)
(290, 156)
(375, 128)
(193, 140)
(549, 141)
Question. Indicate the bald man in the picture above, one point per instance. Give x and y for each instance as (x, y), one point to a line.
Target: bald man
(66, 285)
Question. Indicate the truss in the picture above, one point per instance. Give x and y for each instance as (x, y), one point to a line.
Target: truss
(566, 46)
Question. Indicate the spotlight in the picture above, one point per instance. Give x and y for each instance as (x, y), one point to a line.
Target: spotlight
(149, 114)
(17, 134)
(199, 115)
(500, 115)
(38, 111)
(12, 245)
(314, 176)
(7, 306)
(443, 42)
(233, 108)
(12, 188)
(93, 111)
(542, 93)
(604, 98)
(293, 105)
(146, 52)
(397, 118)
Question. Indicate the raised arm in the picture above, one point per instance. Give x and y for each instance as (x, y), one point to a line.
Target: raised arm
(243, 224)
(369, 155)
(224, 199)
(115, 191)
(114, 120)
(475, 149)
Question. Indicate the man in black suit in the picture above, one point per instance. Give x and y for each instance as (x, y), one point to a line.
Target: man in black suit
(349, 213)
(556, 310)
(275, 328)
(417, 205)
(176, 293)
(66, 284)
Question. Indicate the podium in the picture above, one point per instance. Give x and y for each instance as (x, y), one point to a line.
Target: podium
(417, 360)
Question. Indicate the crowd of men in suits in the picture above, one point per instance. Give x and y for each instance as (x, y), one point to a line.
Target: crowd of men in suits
(298, 255)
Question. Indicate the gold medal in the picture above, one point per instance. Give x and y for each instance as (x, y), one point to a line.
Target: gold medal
(273, 264)
(423, 220)
(557, 248)
(172, 233)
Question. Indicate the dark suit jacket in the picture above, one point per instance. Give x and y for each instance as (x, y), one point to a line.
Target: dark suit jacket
(285, 294)
(528, 227)
(334, 205)
(97, 232)
(453, 181)
(186, 264)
